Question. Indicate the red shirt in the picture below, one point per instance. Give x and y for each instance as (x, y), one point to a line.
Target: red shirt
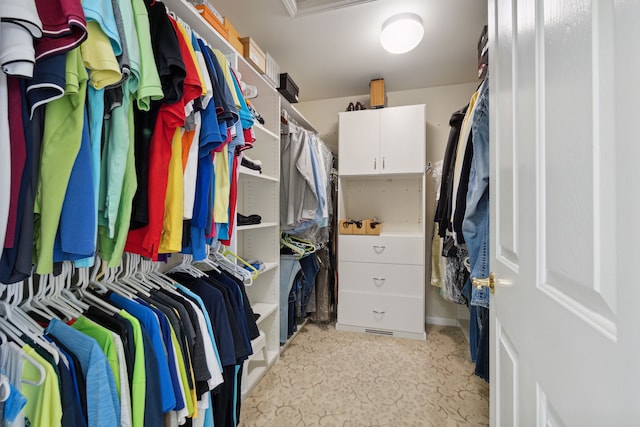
(18, 156)
(64, 26)
(146, 240)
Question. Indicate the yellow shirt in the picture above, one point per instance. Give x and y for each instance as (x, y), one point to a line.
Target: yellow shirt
(187, 39)
(171, 240)
(224, 64)
(43, 401)
(222, 187)
(98, 57)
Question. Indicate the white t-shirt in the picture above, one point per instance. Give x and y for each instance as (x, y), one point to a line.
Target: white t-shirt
(5, 159)
(20, 25)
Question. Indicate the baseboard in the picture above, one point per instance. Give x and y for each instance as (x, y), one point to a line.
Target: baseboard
(442, 321)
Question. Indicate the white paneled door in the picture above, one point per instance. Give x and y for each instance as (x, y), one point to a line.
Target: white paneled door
(565, 212)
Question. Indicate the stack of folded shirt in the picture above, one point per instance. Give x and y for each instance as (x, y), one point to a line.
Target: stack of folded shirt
(255, 165)
(249, 220)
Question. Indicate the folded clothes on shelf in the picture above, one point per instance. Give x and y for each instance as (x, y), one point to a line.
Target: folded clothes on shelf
(251, 164)
(248, 220)
(255, 263)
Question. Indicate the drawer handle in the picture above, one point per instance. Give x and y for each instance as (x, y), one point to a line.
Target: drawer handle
(378, 314)
(378, 281)
(378, 249)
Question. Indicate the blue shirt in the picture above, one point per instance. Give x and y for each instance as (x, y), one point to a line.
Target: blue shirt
(101, 11)
(149, 321)
(77, 231)
(168, 343)
(103, 405)
(48, 82)
(198, 223)
(207, 320)
(219, 317)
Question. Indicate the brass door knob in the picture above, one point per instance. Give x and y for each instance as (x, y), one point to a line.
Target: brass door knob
(488, 282)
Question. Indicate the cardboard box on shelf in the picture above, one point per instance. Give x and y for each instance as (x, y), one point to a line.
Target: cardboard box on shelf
(234, 36)
(252, 53)
(376, 93)
(213, 20)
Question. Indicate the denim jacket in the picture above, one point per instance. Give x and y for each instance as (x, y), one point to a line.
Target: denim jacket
(475, 226)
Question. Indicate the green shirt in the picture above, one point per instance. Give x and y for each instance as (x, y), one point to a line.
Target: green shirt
(105, 340)
(138, 384)
(43, 401)
(64, 119)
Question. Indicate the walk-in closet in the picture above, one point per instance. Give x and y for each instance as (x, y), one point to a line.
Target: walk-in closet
(281, 213)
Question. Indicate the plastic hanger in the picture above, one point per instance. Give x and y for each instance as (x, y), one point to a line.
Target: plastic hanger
(254, 271)
(234, 269)
(55, 298)
(24, 327)
(186, 266)
(43, 374)
(210, 263)
(297, 250)
(127, 279)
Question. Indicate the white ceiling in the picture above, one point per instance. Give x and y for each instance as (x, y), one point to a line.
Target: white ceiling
(335, 53)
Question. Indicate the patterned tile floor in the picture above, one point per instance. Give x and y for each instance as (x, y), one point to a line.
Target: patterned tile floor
(333, 378)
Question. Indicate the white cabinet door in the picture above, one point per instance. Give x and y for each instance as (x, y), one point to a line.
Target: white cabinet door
(359, 142)
(402, 139)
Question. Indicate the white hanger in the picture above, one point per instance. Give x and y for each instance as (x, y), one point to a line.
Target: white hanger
(208, 262)
(232, 268)
(43, 374)
(128, 279)
(55, 298)
(186, 266)
(25, 329)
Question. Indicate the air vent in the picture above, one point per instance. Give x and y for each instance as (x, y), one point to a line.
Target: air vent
(309, 7)
(378, 332)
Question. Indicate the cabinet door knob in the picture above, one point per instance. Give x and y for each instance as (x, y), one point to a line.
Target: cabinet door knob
(378, 281)
(378, 249)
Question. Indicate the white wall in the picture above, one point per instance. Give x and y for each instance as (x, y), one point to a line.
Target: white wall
(440, 102)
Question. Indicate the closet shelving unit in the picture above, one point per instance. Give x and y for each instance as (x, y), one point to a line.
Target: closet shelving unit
(292, 113)
(258, 193)
(382, 159)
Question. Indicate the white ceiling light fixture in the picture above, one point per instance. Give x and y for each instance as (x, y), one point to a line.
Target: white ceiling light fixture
(401, 33)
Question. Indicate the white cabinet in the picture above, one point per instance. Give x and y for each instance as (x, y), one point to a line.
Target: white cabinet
(381, 288)
(383, 141)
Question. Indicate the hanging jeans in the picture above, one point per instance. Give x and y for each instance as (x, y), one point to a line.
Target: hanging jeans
(310, 268)
(482, 355)
(289, 268)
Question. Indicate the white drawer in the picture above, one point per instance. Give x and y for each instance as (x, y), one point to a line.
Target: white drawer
(386, 249)
(377, 311)
(388, 279)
